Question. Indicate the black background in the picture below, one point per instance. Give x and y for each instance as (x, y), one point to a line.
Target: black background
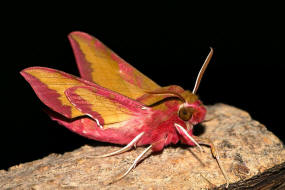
(167, 42)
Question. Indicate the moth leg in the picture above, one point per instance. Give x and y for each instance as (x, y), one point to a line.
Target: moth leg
(125, 148)
(135, 162)
(183, 131)
(210, 183)
(215, 153)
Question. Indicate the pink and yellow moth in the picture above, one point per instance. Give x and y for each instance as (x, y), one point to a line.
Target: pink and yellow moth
(113, 102)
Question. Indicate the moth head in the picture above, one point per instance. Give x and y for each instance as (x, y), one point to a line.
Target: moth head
(185, 113)
(192, 113)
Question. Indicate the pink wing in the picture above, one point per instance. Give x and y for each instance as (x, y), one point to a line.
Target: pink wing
(50, 84)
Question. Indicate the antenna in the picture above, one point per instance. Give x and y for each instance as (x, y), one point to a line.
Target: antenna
(202, 70)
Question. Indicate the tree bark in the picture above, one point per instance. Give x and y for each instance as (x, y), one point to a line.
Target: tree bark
(252, 156)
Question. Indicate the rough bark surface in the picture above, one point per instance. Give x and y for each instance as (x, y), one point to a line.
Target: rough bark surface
(252, 156)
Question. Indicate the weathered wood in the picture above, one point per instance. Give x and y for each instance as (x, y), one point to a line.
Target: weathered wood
(273, 178)
(252, 156)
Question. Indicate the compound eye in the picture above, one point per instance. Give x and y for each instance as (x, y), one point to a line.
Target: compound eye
(185, 113)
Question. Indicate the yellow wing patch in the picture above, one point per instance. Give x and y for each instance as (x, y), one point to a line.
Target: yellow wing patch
(110, 111)
(107, 69)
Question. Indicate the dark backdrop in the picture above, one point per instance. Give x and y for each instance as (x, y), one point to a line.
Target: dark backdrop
(168, 43)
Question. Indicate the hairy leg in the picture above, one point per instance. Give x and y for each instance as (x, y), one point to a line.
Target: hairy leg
(139, 158)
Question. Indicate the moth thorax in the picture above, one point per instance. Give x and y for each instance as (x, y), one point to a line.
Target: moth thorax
(189, 96)
(185, 113)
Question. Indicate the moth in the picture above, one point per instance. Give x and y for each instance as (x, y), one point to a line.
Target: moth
(114, 102)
